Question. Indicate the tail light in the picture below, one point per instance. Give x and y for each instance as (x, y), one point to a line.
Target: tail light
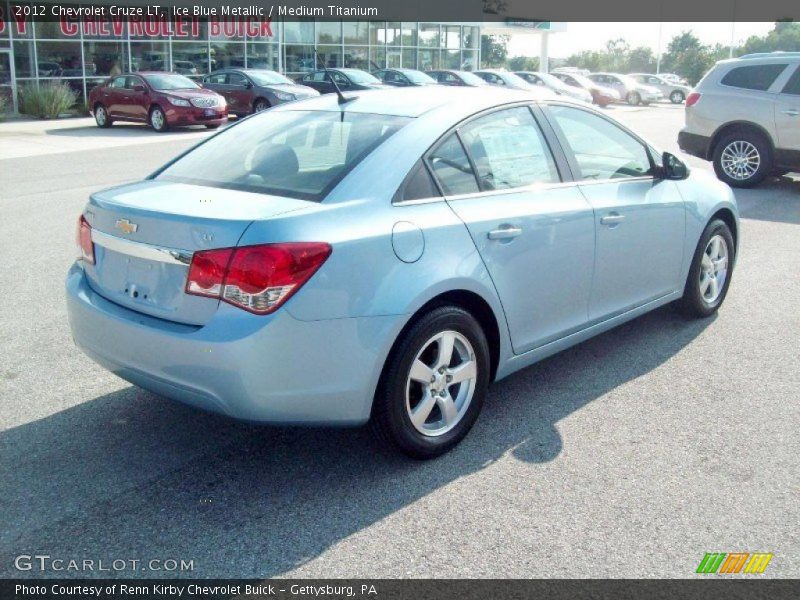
(83, 237)
(692, 99)
(258, 279)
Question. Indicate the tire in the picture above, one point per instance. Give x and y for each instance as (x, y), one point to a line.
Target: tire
(158, 123)
(400, 393)
(633, 98)
(700, 298)
(746, 144)
(677, 97)
(260, 104)
(101, 116)
(645, 104)
(215, 126)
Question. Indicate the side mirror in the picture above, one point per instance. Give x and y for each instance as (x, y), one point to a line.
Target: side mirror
(139, 88)
(248, 85)
(672, 167)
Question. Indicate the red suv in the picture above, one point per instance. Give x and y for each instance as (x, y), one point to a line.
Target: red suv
(163, 100)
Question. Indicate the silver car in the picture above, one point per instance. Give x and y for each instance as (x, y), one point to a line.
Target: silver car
(554, 84)
(385, 256)
(630, 90)
(676, 92)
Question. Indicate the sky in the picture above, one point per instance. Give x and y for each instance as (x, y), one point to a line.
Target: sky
(593, 36)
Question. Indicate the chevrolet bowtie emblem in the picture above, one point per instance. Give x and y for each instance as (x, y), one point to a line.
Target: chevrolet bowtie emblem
(126, 226)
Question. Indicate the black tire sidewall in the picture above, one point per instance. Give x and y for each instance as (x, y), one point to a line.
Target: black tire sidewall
(260, 102)
(764, 151)
(680, 95)
(390, 402)
(693, 302)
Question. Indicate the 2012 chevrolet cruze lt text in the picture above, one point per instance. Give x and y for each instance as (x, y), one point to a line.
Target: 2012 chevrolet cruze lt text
(385, 258)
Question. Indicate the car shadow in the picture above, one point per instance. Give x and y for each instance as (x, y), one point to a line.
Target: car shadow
(130, 475)
(120, 130)
(776, 199)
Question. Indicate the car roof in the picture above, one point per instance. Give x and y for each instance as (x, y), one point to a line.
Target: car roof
(413, 102)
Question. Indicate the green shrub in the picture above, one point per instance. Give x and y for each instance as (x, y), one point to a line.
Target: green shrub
(47, 101)
(3, 105)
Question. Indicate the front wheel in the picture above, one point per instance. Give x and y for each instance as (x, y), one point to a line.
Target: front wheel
(101, 116)
(677, 97)
(742, 159)
(158, 120)
(710, 272)
(633, 98)
(260, 104)
(433, 385)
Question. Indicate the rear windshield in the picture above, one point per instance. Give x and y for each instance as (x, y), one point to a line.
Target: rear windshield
(268, 78)
(357, 76)
(471, 79)
(418, 77)
(299, 154)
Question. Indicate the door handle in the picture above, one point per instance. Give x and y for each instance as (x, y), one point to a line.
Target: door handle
(504, 233)
(791, 112)
(612, 219)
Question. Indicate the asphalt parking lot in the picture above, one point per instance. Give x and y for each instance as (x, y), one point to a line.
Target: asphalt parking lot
(631, 455)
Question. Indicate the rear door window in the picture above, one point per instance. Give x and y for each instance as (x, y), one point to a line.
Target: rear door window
(452, 168)
(753, 77)
(217, 78)
(236, 79)
(508, 150)
(793, 85)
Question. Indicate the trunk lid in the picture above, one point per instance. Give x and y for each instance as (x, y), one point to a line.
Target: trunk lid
(145, 233)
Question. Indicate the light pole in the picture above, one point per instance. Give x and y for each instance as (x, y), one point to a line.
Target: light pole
(658, 49)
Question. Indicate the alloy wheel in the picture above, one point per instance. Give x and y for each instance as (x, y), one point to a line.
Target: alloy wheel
(100, 115)
(676, 97)
(740, 160)
(157, 119)
(441, 383)
(713, 269)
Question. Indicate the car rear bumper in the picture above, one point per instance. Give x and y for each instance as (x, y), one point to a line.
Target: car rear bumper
(267, 369)
(196, 116)
(694, 144)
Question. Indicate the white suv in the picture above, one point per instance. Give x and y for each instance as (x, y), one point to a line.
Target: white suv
(744, 115)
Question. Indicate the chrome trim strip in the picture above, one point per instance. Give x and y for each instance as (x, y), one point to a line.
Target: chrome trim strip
(140, 250)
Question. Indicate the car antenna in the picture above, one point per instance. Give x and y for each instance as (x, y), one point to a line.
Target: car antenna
(339, 94)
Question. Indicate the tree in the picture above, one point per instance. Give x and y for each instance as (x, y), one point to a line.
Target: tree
(523, 63)
(641, 60)
(588, 59)
(785, 36)
(494, 50)
(687, 57)
(617, 53)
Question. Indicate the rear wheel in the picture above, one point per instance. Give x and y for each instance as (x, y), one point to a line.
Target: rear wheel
(633, 98)
(434, 384)
(676, 97)
(710, 272)
(260, 104)
(158, 120)
(101, 116)
(742, 159)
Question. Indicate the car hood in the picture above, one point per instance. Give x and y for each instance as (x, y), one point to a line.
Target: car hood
(189, 94)
(300, 91)
(648, 89)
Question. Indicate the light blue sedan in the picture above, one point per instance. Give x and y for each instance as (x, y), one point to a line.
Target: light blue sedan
(385, 258)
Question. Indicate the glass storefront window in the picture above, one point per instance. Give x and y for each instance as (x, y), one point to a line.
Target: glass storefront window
(429, 35)
(394, 58)
(329, 32)
(227, 54)
(377, 32)
(377, 56)
(149, 56)
(472, 37)
(105, 58)
(146, 29)
(451, 59)
(428, 59)
(409, 58)
(298, 32)
(190, 58)
(330, 56)
(262, 56)
(357, 58)
(469, 60)
(452, 37)
(223, 31)
(299, 59)
(393, 32)
(23, 59)
(60, 59)
(408, 34)
(355, 32)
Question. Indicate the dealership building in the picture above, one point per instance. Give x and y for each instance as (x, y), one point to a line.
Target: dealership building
(85, 52)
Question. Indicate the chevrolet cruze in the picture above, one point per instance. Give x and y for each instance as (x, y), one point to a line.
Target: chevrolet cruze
(384, 258)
